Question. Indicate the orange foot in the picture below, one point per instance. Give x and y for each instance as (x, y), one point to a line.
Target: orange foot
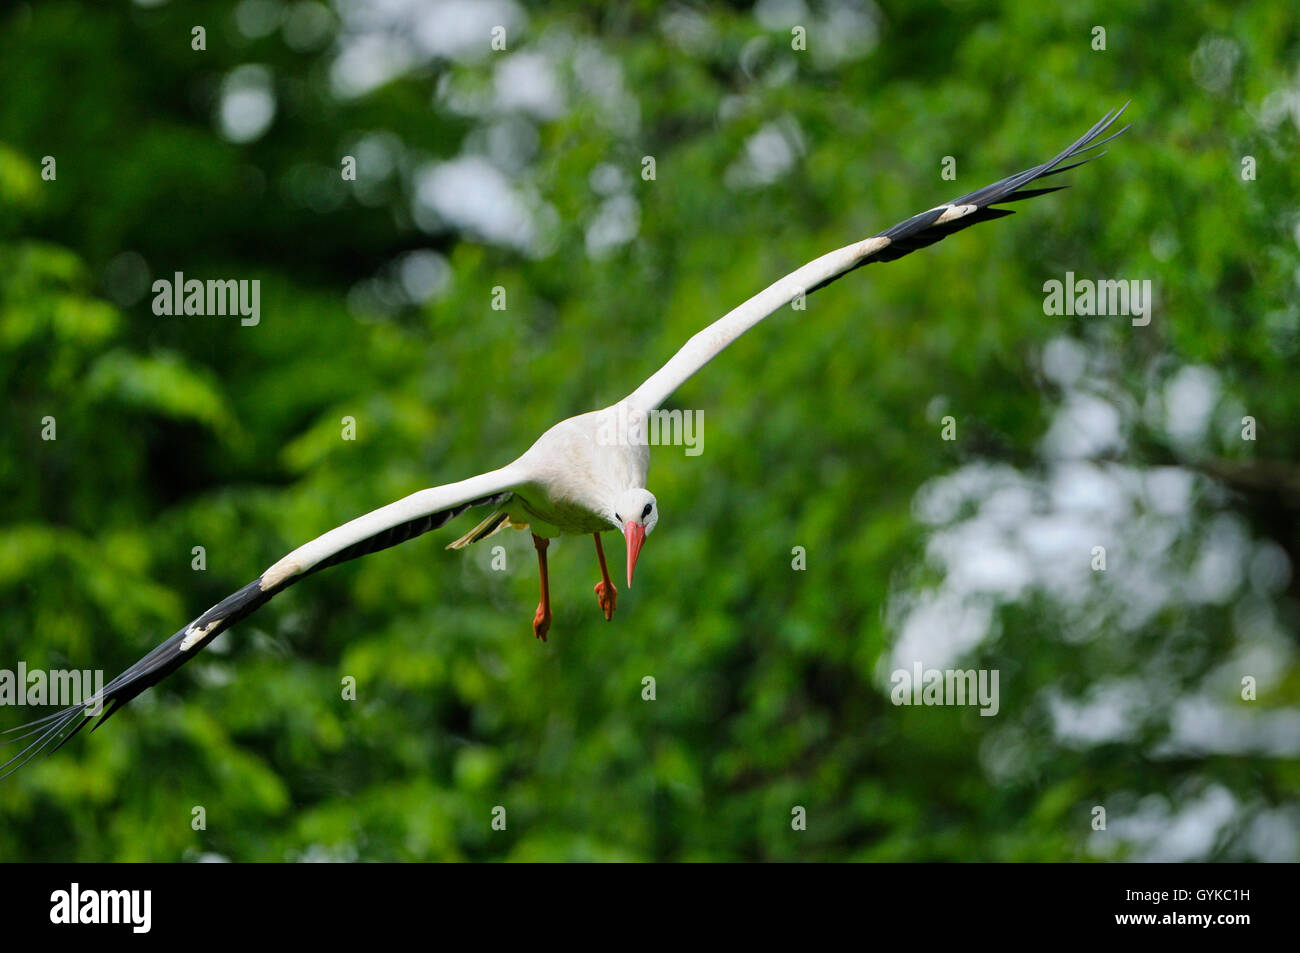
(541, 622)
(607, 596)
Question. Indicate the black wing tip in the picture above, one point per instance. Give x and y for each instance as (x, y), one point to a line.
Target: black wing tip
(167, 656)
(1089, 140)
(58, 728)
(925, 229)
(49, 734)
(1021, 194)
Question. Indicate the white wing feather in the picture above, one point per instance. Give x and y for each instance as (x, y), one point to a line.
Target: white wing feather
(707, 344)
(413, 507)
(916, 232)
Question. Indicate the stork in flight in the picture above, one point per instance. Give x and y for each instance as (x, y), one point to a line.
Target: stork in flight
(574, 480)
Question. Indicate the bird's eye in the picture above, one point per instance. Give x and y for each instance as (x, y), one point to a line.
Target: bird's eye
(617, 517)
(646, 512)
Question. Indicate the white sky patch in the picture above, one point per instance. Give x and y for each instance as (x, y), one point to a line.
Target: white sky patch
(768, 154)
(616, 223)
(471, 194)
(1274, 836)
(510, 142)
(462, 29)
(608, 179)
(1214, 61)
(1190, 831)
(1158, 834)
(850, 30)
(1002, 569)
(1064, 360)
(940, 501)
(998, 534)
(1220, 565)
(1280, 105)
(1110, 712)
(424, 274)
(528, 82)
(838, 30)
(938, 627)
(368, 62)
(379, 156)
(382, 39)
(1168, 490)
(1201, 725)
(462, 94)
(687, 29)
(1085, 426)
(247, 103)
(1190, 398)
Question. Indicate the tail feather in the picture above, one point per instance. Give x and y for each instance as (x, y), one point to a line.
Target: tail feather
(494, 524)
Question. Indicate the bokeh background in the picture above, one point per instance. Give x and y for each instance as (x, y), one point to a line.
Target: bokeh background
(523, 169)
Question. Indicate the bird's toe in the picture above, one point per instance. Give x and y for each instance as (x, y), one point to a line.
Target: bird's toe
(541, 623)
(607, 596)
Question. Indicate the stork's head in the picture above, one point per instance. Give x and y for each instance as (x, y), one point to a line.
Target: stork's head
(635, 514)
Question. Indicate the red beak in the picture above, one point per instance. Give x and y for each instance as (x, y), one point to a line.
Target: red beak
(635, 533)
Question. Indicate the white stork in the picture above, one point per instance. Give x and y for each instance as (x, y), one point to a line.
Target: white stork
(574, 480)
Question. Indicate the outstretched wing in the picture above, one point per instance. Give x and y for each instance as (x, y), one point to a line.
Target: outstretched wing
(379, 529)
(916, 232)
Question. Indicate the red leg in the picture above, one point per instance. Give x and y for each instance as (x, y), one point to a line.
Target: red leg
(606, 594)
(542, 619)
